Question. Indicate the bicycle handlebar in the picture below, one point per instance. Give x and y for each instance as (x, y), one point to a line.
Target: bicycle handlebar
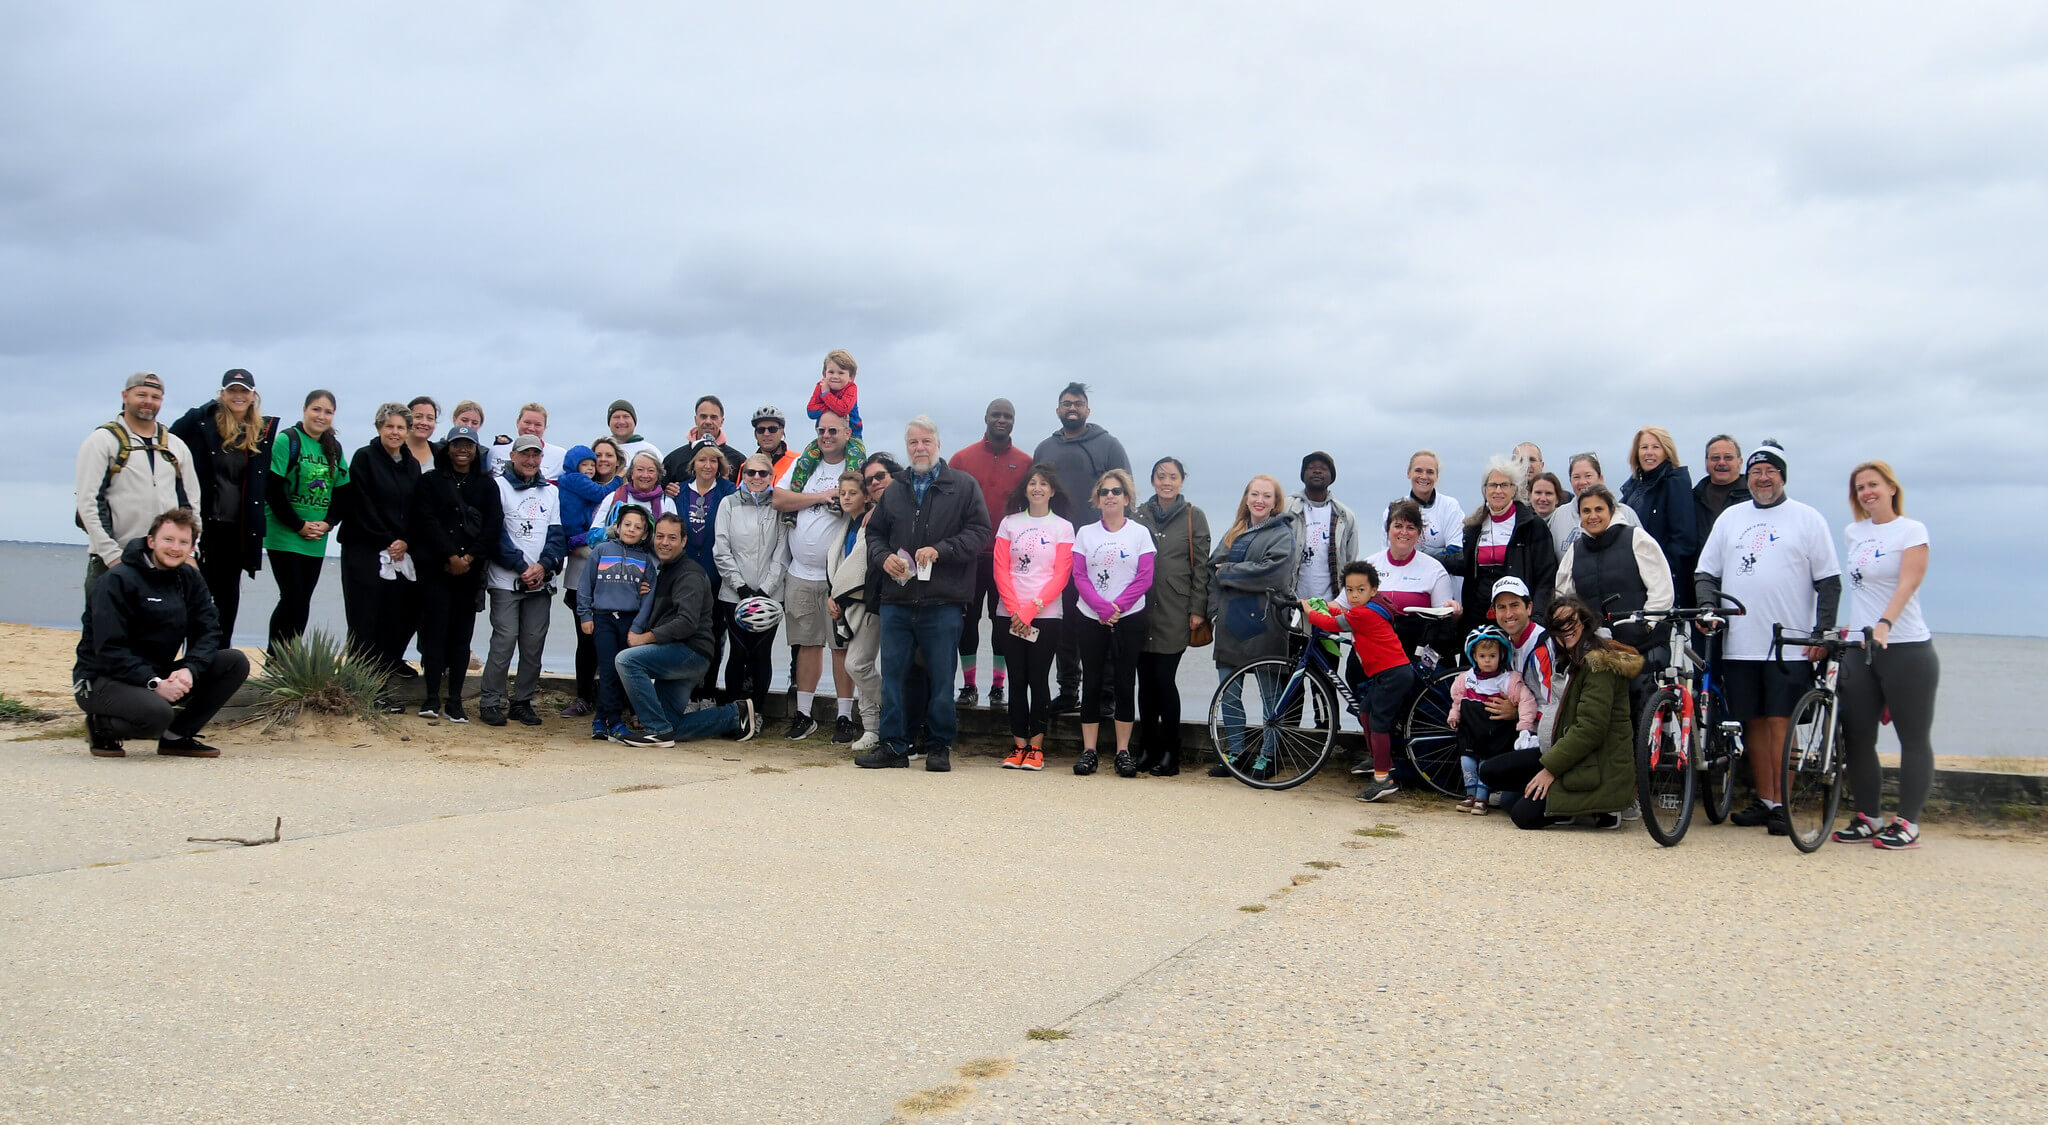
(1833, 642)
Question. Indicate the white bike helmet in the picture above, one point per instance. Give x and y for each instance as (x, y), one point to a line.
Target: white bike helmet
(758, 615)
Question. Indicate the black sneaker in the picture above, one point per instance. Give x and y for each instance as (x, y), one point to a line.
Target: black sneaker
(1860, 830)
(968, 697)
(1126, 766)
(844, 730)
(430, 709)
(801, 726)
(1065, 704)
(995, 696)
(523, 711)
(491, 716)
(938, 759)
(102, 743)
(750, 721)
(1607, 822)
(1780, 822)
(390, 706)
(454, 712)
(1362, 767)
(1757, 813)
(1085, 764)
(404, 671)
(1220, 770)
(647, 739)
(1378, 791)
(882, 758)
(187, 747)
(1898, 836)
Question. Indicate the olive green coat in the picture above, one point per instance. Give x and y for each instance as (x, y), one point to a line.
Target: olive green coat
(1593, 755)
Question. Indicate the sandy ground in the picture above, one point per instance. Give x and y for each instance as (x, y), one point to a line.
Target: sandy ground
(527, 926)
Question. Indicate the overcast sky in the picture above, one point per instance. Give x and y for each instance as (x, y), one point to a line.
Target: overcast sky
(1255, 229)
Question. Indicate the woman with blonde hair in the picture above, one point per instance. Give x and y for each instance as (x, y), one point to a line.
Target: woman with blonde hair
(1885, 565)
(230, 443)
(1112, 561)
(1251, 586)
(1660, 491)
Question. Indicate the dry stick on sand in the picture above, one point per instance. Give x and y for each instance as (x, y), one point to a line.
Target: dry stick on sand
(276, 834)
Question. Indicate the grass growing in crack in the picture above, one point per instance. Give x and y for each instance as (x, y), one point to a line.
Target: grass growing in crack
(1322, 864)
(1254, 908)
(75, 730)
(938, 1099)
(990, 1067)
(15, 711)
(1386, 831)
(1300, 879)
(637, 788)
(1361, 845)
(815, 765)
(766, 769)
(1047, 1034)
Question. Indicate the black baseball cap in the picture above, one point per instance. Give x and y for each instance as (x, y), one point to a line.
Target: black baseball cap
(237, 377)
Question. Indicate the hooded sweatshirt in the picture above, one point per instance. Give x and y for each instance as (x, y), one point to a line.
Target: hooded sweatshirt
(612, 578)
(1080, 461)
(140, 616)
(115, 509)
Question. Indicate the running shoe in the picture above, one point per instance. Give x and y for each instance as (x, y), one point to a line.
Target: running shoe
(1898, 836)
(1861, 830)
(1016, 759)
(995, 696)
(1034, 759)
(801, 726)
(1757, 813)
(1378, 790)
(1085, 764)
(968, 697)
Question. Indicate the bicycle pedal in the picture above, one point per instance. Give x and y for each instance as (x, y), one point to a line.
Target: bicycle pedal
(1669, 802)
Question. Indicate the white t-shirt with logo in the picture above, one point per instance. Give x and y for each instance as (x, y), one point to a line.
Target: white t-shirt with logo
(1769, 559)
(1035, 543)
(1312, 579)
(1419, 582)
(1112, 560)
(810, 541)
(1876, 552)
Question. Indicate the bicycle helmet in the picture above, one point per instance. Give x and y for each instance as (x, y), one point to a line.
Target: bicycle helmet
(769, 414)
(758, 614)
(1489, 633)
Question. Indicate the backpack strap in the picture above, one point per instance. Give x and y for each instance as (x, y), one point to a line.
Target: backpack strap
(1381, 610)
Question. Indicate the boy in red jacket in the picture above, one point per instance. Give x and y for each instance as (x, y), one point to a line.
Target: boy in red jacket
(1389, 678)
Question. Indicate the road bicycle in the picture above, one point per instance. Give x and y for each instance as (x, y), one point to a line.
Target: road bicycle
(1813, 737)
(1685, 743)
(1274, 722)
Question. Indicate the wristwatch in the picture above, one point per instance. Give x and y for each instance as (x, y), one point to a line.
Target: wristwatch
(154, 681)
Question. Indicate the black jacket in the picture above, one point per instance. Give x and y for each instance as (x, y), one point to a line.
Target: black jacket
(376, 503)
(952, 519)
(682, 607)
(456, 514)
(1706, 511)
(201, 434)
(138, 618)
(675, 468)
(1663, 500)
(1531, 557)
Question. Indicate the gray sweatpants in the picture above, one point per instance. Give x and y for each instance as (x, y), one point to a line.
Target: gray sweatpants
(1902, 677)
(521, 618)
(863, 663)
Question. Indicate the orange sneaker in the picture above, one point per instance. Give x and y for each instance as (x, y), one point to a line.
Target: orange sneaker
(1016, 760)
(1034, 759)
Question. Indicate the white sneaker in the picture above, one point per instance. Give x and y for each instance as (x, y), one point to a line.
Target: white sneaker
(866, 742)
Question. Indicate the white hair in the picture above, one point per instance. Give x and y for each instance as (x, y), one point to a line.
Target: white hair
(921, 422)
(647, 453)
(1516, 471)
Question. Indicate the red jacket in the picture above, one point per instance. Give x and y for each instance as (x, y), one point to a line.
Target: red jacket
(998, 474)
(1372, 633)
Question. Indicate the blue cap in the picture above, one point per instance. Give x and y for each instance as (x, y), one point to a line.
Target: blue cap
(463, 433)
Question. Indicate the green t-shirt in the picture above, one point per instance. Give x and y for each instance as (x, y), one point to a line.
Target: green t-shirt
(309, 484)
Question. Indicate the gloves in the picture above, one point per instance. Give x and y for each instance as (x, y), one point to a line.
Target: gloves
(1526, 740)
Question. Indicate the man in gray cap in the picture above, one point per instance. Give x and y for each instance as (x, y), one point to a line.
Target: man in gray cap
(519, 598)
(130, 471)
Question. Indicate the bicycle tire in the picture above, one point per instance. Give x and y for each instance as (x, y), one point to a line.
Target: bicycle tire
(1271, 753)
(1723, 751)
(1665, 778)
(1428, 741)
(1813, 773)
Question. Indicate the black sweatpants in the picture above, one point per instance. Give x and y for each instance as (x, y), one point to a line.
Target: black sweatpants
(1509, 774)
(1159, 702)
(1109, 662)
(133, 711)
(1030, 667)
(382, 613)
(750, 663)
(1904, 678)
(296, 576)
(447, 625)
(220, 563)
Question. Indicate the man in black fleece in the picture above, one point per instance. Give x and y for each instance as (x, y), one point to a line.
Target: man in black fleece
(926, 535)
(129, 679)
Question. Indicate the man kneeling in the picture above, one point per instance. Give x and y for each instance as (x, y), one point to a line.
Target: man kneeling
(129, 679)
(670, 653)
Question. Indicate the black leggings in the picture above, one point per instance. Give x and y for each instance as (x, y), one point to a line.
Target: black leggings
(1904, 678)
(1508, 775)
(1159, 701)
(220, 563)
(382, 612)
(1030, 664)
(750, 665)
(586, 656)
(296, 576)
(1110, 652)
(447, 624)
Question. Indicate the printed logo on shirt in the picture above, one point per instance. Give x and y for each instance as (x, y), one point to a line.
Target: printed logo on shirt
(1747, 565)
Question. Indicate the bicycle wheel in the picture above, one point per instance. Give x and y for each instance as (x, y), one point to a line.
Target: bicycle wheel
(1718, 767)
(1262, 732)
(1813, 777)
(1664, 774)
(1427, 738)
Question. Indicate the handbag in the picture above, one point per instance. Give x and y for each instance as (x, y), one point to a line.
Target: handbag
(1203, 635)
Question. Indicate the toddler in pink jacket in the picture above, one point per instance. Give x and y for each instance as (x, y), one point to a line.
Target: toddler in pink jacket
(1489, 679)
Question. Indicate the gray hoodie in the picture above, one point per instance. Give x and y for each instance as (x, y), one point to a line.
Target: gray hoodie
(1080, 461)
(750, 546)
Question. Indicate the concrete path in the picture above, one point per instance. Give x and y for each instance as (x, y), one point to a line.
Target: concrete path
(520, 927)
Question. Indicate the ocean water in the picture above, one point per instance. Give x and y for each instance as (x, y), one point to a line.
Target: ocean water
(1982, 709)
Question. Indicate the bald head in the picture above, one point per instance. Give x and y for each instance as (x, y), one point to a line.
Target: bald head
(1001, 419)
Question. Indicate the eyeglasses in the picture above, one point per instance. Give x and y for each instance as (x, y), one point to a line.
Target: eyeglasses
(1112, 490)
(759, 472)
(771, 428)
(1499, 484)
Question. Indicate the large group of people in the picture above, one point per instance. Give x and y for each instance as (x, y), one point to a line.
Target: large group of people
(676, 561)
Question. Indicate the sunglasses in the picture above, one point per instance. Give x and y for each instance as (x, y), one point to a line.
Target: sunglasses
(759, 472)
(768, 429)
(1112, 490)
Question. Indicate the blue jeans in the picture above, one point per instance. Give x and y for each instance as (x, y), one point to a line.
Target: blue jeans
(1271, 684)
(658, 678)
(1474, 788)
(933, 630)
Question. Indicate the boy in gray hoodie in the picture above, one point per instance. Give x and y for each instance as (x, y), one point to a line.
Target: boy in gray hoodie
(617, 580)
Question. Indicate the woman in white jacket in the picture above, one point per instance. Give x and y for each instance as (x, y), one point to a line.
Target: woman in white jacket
(751, 551)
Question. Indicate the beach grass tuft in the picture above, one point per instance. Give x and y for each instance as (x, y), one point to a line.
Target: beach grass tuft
(937, 1099)
(989, 1067)
(315, 674)
(1047, 1034)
